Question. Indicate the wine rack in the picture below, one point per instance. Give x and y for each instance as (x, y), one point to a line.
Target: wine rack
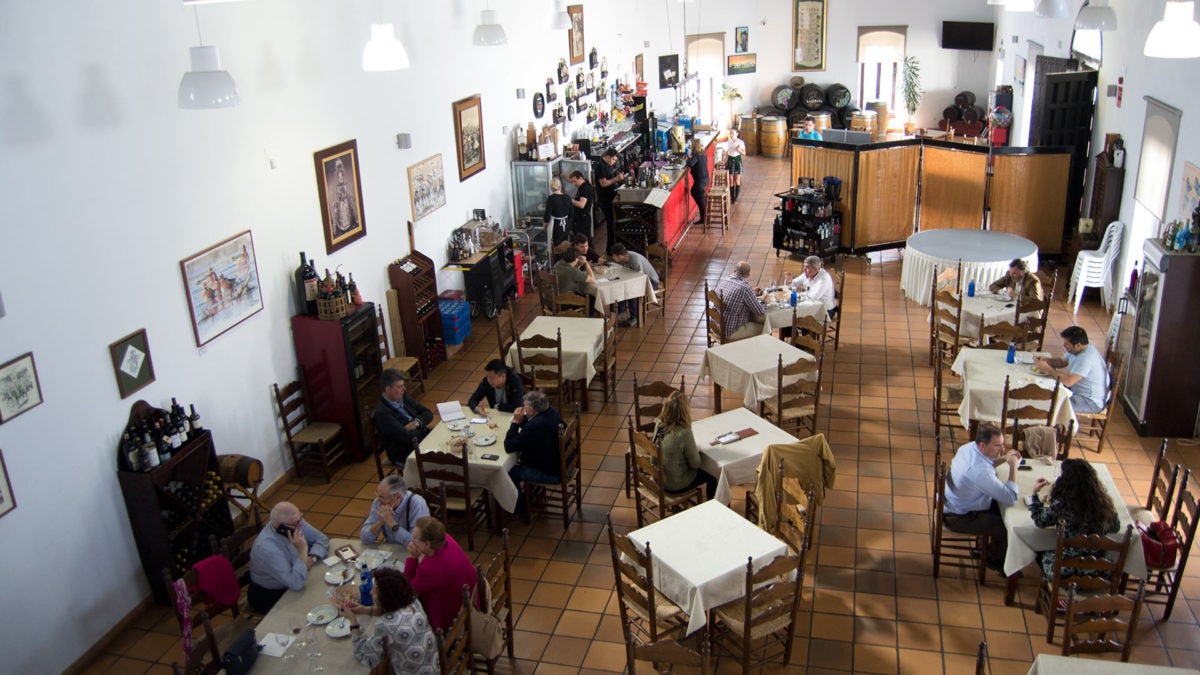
(807, 224)
(414, 279)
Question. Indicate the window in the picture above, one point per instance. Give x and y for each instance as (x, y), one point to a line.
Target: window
(880, 54)
(706, 56)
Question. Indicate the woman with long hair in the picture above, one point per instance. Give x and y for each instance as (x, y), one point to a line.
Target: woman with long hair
(411, 645)
(735, 148)
(681, 457)
(1078, 499)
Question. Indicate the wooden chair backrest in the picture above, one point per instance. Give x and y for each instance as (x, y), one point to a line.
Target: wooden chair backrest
(1002, 334)
(531, 365)
(506, 332)
(808, 334)
(205, 657)
(547, 288)
(666, 655)
(1013, 408)
(1184, 522)
(801, 391)
(447, 474)
(714, 316)
(293, 411)
(795, 527)
(1162, 485)
(454, 646)
(660, 260)
(648, 399)
(570, 447)
(385, 348)
(570, 304)
(772, 592)
(1106, 575)
(1094, 624)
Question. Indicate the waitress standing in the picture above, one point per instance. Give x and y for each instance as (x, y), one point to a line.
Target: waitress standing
(698, 166)
(735, 148)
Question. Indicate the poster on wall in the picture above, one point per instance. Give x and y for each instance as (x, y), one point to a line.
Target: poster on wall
(1191, 191)
(131, 361)
(808, 35)
(741, 39)
(468, 136)
(427, 186)
(668, 71)
(741, 64)
(575, 33)
(340, 191)
(222, 286)
(20, 389)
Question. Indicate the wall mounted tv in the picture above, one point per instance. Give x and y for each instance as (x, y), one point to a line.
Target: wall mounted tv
(972, 35)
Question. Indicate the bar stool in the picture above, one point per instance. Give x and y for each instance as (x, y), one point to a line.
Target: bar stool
(716, 209)
(720, 177)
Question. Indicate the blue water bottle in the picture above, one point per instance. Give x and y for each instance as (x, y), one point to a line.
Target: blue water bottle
(1012, 353)
(971, 290)
(793, 297)
(364, 589)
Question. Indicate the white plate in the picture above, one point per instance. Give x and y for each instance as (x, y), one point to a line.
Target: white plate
(338, 628)
(457, 426)
(337, 576)
(322, 614)
(485, 440)
(1025, 359)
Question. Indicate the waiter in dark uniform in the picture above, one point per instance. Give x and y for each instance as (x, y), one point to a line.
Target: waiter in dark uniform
(581, 203)
(698, 166)
(608, 177)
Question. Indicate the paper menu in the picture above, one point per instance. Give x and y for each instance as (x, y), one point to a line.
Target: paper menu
(451, 411)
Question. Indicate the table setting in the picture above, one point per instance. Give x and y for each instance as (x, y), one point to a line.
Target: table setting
(749, 367)
(484, 436)
(983, 373)
(778, 301)
(616, 283)
(734, 461)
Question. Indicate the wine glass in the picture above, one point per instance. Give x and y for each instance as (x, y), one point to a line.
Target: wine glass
(282, 640)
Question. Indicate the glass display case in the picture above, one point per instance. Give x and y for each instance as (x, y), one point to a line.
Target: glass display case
(531, 186)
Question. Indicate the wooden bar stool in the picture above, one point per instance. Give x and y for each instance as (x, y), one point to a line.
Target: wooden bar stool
(716, 211)
(720, 177)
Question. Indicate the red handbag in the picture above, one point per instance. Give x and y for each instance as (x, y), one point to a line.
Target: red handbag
(1159, 544)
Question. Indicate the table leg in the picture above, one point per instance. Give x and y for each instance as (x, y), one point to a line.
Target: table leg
(716, 397)
(1010, 590)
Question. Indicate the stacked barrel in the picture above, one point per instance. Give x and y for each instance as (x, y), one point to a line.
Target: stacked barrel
(964, 109)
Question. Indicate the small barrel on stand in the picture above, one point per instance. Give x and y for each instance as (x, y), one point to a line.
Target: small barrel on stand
(243, 474)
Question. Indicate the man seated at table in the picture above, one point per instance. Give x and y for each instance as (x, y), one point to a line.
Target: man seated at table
(574, 273)
(744, 312)
(282, 555)
(436, 569)
(974, 493)
(394, 513)
(398, 418)
(534, 435)
(501, 388)
(637, 262)
(580, 241)
(816, 284)
(1018, 283)
(1085, 373)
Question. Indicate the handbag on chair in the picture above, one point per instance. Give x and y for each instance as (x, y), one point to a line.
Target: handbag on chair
(1159, 544)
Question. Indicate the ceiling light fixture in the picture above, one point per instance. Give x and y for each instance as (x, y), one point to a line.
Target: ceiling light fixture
(1052, 9)
(1018, 6)
(384, 52)
(489, 32)
(1096, 15)
(206, 86)
(1177, 36)
(560, 20)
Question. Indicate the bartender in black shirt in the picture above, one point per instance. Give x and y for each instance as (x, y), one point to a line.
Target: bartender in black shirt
(581, 213)
(698, 166)
(608, 177)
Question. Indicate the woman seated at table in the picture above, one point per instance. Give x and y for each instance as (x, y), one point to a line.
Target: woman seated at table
(401, 619)
(681, 458)
(1078, 499)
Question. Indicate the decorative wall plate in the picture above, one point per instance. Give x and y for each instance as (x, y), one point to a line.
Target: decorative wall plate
(539, 105)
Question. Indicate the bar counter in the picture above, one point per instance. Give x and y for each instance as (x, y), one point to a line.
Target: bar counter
(650, 215)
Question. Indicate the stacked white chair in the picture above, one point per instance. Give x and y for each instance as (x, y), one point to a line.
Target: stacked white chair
(1095, 269)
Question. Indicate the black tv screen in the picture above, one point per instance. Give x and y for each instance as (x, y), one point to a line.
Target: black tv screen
(973, 35)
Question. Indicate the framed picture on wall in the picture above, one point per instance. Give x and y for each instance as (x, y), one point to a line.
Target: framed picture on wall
(131, 363)
(741, 64)
(222, 286)
(575, 33)
(468, 136)
(7, 501)
(668, 71)
(808, 35)
(340, 191)
(20, 389)
(427, 186)
(741, 39)
(639, 70)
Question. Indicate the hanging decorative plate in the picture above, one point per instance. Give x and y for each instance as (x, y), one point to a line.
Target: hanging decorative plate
(570, 112)
(539, 105)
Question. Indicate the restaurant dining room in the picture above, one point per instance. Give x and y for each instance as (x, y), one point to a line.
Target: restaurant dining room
(795, 336)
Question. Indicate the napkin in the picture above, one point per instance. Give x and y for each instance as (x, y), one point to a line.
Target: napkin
(273, 646)
(734, 436)
(479, 420)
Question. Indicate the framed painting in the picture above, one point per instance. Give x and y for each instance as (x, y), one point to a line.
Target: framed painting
(741, 64)
(1190, 190)
(668, 71)
(19, 387)
(639, 70)
(575, 33)
(222, 286)
(468, 137)
(427, 186)
(340, 190)
(7, 501)
(131, 363)
(808, 35)
(741, 39)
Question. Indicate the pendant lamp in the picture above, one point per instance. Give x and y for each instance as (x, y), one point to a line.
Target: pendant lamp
(1096, 15)
(1001, 3)
(1052, 9)
(489, 32)
(384, 52)
(1177, 36)
(206, 86)
(1018, 6)
(560, 20)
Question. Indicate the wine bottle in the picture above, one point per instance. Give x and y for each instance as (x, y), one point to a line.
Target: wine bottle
(194, 420)
(150, 457)
(355, 297)
(306, 287)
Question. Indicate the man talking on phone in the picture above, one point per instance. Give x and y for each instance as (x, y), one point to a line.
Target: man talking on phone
(282, 555)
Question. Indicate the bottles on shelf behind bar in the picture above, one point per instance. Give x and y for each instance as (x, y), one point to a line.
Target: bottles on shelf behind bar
(153, 439)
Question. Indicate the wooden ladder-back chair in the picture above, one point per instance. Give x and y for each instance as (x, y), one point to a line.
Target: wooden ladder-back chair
(1019, 406)
(949, 548)
(660, 260)
(1048, 282)
(313, 445)
(833, 325)
(1095, 425)
(203, 608)
(607, 369)
(1162, 490)
(454, 646)
(409, 365)
(1167, 580)
(449, 473)
(808, 334)
(557, 303)
(645, 615)
(506, 332)
(647, 405)
(947, 397)
(565, 496)
(1025, 437)
(236, 549)
(758, 628)
(547, 287)
(435, 499)
(1095, 625)
(1092, 570)
(796, 406)
(543, 371)
(714, 316)
(797, 509)
(1034, 317)
(1001, 335)
(498, 577)
(947, 326)
(668, 655)
(651, 498)
(205, 657)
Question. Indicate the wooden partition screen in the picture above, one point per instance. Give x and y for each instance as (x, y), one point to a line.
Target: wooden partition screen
(816, 163)
(952, 187)
(1028, 197)
(886, 209)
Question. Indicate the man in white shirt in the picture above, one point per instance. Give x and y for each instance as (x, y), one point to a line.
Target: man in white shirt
(816, 284)
(974, 493)
(1085, 373)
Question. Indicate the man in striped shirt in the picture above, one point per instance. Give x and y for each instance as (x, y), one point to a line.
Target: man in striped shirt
(744, 312)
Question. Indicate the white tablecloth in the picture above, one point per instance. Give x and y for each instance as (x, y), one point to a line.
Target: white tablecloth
(983, 372)
(1050, 664)
(734, 463)
(337, 654)
(993, 308)
(488, 473)
(615, 283)
(750, 366)
(1025, 539)
(583, 339)
(700, 557)
(779, 314)
(985, 256)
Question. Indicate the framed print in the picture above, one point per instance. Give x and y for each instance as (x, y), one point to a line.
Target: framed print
(668, 71)
(741, 39)
(539, 105)
(340, 190)
(563, 71)
(1190, 196)
(741, 64)
(639, 70)
(551, 94)
(7, 501)
(468, 137)
(222, 286)
(131, 363)
(575, 33)
(427, 186)
(808, 35)
(19, 387)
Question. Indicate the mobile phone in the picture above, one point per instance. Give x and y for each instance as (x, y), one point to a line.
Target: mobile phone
(490, 457)
(284, 530)
(1024, 467)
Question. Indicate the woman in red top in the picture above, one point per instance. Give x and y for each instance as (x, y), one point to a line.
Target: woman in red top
(437, 569)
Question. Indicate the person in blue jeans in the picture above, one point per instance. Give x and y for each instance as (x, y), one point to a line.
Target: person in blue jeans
(534, 436)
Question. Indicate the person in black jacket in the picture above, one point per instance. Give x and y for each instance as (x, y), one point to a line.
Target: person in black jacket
(399, 419)
(501, 389)
(698, 166)
(534, 434)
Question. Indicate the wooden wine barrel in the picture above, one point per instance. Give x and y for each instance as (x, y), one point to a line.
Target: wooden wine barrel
(951, 113)
(796, 116)
(822, 119)
(796, 82)
(785, 98)
(835, 117)
(844, 113)
(863, 120)
(749, 133)
(882, 117)
(812, 96)
(773, 136)
(972, 113)
(964, 99)
(838, 96)
(240, 470)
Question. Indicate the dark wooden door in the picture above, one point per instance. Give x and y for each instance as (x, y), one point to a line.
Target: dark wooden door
(1064, 105)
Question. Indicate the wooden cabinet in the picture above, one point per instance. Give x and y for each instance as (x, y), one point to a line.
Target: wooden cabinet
(806, 225)
(490, 279)
(1107, 183)
(341, 364)
(415, 281)
(173, 510)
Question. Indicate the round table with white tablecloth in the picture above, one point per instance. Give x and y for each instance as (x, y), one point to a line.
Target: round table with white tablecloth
(985, 257)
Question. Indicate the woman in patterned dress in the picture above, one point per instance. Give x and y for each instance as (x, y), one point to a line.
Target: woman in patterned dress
(402, 620)
(1078, 499)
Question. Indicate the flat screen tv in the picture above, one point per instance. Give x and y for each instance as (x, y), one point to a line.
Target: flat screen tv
(972, 35)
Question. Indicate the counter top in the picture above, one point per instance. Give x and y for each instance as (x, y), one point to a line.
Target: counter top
(673, 172)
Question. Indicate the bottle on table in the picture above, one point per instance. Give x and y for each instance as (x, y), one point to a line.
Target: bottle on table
(971, 289)
(1012, 353)
(364, 589)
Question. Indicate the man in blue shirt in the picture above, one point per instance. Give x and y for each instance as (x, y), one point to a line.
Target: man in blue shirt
(974, 493)
(1085, 373)
(810, 132)
(282, 555)
(394, 513)
(399, 419)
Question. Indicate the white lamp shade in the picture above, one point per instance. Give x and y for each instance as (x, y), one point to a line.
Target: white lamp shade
(1018, 6)
(206, 85)
(1177, 36)
(1097, 15)
(384, 52)
(1052, 9)
(489, 32)
(560, 20)
(997, 2)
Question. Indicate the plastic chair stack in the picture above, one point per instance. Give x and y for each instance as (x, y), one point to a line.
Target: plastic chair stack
(1094, 269)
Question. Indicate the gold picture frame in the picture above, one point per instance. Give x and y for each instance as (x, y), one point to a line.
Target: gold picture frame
(468, 136)
(575, 34)
(339, 187)
(808, 35)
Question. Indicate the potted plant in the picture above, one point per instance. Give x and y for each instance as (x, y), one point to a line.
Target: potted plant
(730, 95)
(912, 91)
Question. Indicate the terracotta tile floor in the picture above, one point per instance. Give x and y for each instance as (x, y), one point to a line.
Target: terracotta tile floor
(870, 603)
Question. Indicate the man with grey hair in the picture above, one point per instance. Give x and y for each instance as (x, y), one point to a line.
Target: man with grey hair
(816, 284)
(744, 312)
(394, 513)
(399, 419)
(534, 435)
(282, 555)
